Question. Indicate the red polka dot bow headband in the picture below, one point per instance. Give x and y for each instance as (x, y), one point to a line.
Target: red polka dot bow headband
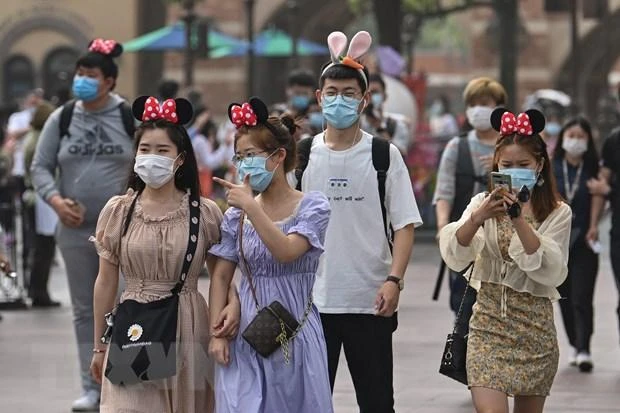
(153, 110)
(243, 115)
(250, 114)
(507, 123)
(148, 109)
(105, 47)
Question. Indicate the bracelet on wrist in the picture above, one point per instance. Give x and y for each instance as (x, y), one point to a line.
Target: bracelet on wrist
(98, 350)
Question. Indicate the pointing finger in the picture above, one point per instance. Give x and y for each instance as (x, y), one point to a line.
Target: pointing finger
(223, 182)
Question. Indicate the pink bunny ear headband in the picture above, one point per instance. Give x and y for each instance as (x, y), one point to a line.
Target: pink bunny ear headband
(360, 43)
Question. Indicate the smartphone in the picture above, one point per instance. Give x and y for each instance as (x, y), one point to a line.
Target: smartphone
(595, 246)
(501, 180)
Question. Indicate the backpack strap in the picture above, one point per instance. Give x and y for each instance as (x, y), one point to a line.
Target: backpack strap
(127, 118)
(381, 163)
(465, 178)
(67, 113)
(390, 126)
(304, 147)
(65, 118)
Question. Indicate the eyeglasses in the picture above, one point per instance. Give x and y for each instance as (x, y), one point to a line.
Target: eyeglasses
(249, 158)
(349, 95)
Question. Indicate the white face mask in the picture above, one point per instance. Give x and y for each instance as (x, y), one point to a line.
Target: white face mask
(479, 117)
(154, 170)
(575, 146)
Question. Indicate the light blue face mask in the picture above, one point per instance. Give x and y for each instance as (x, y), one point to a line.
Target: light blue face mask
(300, 102)
(520, 177)
(340, 112)
(85, 88)
(553, 128)
(377, 100)
(256, 168)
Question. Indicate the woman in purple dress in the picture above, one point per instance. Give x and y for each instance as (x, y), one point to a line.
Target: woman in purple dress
(282, 239)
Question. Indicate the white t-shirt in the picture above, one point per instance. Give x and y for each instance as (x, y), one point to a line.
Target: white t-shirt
(357, 258)
(17, 121)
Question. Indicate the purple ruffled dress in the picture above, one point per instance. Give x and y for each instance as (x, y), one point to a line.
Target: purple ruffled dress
(254, 384)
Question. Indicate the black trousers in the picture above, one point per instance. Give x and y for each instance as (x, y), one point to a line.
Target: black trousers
(614, 253)
(577, 294)
(42, 258)
(367, 343)
(458, 284)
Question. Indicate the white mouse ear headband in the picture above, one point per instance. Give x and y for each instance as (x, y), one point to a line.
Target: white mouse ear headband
(360, 43)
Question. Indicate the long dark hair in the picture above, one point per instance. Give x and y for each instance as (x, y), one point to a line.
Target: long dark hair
(545, 198)
(186, 177)
(590, 157)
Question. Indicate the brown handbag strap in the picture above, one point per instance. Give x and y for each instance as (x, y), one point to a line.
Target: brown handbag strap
(244, 262)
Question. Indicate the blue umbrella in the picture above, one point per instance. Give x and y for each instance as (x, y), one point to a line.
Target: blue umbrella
(173, 38)
(274, 43)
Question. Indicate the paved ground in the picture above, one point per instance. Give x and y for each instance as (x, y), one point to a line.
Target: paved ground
(38, 364)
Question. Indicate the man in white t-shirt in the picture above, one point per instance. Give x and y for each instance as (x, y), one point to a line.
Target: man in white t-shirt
(359, 280)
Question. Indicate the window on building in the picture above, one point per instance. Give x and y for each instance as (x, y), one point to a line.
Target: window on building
(18, 77)
(58, 69)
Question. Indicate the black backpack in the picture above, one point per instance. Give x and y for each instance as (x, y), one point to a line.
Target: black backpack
(380, 161)
(67, 113)
(466, 179)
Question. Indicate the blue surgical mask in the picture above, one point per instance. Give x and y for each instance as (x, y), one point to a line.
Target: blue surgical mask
(377, 100)
(553, 128)
(340, 112)
(256, 167)
(300, 102)
(85, 88)
(316, 120)
(520, 177)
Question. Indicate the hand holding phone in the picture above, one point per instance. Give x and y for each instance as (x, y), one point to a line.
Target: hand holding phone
(500, 180)
(595, 246)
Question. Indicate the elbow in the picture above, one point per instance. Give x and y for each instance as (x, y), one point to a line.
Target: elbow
(285, 257)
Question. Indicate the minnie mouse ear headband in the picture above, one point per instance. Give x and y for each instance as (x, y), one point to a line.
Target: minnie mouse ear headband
(250, 114)
(529, 123)
(148, 108)
(110, 48)
(360, 43)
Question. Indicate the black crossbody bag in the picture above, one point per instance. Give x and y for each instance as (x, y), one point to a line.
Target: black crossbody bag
(454, 358)
(143, 336)
(274, 326)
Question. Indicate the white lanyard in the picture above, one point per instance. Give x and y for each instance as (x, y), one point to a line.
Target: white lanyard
(571, 190)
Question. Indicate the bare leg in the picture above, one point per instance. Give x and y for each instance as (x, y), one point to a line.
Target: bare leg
(489, 400)
(529, 404)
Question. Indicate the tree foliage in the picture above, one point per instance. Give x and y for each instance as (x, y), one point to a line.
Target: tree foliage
(426, 8)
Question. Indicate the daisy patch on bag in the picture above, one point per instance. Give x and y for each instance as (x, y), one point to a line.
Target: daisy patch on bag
(135, 332)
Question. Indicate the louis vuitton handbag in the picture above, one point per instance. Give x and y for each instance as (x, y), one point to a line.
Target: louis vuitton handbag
(143, 336)
(454, 358)
(274, 326)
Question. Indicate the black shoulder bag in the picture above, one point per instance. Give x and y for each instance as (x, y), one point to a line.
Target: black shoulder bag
(274, 326)
(454, 358)
(143, 336)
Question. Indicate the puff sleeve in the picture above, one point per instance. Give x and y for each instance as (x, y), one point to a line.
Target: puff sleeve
(457, 256)
(227, 247)
(210, 220)
(312, 221)
(109, 230)
(548, 265)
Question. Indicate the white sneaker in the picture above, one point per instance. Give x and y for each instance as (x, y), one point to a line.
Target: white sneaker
(584, 361)
(572, 359)
(88, 402)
